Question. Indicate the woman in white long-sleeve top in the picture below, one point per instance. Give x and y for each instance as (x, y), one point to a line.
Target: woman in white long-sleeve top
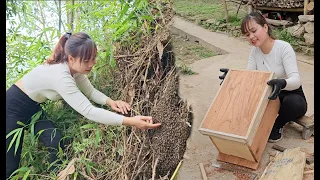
(270, 54)
(62, 75)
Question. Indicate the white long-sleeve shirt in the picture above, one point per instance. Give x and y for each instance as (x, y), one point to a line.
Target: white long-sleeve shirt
(281, 60)
(55, 82)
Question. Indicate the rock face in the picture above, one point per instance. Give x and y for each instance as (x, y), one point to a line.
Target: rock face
(306, 18)
(309, 27)
(297, 30)
(309, 38)
(305, 29)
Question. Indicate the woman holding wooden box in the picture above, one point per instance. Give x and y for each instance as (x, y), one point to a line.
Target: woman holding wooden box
(270, 54)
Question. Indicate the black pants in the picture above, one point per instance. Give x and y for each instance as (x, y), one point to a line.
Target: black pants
(19, 107)
(293, 106)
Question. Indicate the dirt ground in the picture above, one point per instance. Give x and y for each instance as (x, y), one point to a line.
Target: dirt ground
(199, 90)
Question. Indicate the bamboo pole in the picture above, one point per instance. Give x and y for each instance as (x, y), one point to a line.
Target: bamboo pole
(305, 7)
(226, 10)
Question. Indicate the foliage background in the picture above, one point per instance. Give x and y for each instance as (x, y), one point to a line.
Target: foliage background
(33, 29)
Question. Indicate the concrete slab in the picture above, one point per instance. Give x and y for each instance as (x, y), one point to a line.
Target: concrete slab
(199, 90)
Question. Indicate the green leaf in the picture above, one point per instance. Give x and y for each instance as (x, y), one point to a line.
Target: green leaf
(53, 34)
(53, 134)
(26, 175)
(147, 17)
(11, 132)
(14, 138)
(39, 133)
(88, 169)
(34, 118)
(98, 136)
(22, 169)
(68, 27)
(88, 126)
(18, 142)
(124, 11)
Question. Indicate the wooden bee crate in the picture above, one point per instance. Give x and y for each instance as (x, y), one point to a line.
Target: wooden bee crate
(241, 117)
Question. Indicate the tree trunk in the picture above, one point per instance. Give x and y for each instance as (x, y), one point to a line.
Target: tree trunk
(59, 12)
(43, 20)
(70, 14)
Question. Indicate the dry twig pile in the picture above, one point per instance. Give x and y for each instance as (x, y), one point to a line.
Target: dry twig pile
(149, 81)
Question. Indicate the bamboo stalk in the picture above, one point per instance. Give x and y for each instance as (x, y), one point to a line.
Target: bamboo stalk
(305, 7)
(176, 171)
(226, 10)
(203, 172)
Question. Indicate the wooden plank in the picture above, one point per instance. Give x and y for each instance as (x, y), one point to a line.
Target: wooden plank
(203, 172)
(260, 140)
(280, 9)
(237, 161)
(260, 111)
(233, 148)
(308, 172)
(287, 165)
(228, 136)
(310, 6)
(236, 102)
(279, 148)
(275, 22)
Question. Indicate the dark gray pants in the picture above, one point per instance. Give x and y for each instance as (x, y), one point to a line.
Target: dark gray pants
(19, 107)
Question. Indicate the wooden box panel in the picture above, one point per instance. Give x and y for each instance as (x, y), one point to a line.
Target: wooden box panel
(241, 117)
(237, 106)
(262, 135)
(232, 148)
(259, 142)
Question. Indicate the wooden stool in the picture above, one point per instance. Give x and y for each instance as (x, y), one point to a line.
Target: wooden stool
(241, 117)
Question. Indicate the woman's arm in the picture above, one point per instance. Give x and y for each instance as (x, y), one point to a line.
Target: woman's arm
(86, 87)
(69, 91)
(291, 69)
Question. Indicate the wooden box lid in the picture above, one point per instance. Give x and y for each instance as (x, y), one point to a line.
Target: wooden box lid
(237, 108)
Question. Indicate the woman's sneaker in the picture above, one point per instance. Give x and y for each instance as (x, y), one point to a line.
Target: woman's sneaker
(275, 135)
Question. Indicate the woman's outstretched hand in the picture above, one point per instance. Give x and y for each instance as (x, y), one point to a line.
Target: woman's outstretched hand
(140, 122)
(119, 106)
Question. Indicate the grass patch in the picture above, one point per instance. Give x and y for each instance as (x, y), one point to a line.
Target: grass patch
(187, 70)
(187, 52)
(210, 15)
(198, 9)
(284, 35)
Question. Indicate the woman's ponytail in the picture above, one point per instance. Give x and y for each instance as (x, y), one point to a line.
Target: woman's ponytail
(58, 55)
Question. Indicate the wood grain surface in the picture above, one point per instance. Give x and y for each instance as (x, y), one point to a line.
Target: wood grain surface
(236, 102)
(237, 161)
(234, 148)
(261, 138)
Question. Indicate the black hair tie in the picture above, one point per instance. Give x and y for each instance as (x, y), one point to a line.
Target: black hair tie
(68, 34)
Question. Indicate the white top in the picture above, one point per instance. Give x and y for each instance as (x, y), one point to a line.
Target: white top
(55, 82)
(281, 60)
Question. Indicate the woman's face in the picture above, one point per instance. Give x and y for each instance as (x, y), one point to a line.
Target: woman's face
(83, 68)
(256, 34)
